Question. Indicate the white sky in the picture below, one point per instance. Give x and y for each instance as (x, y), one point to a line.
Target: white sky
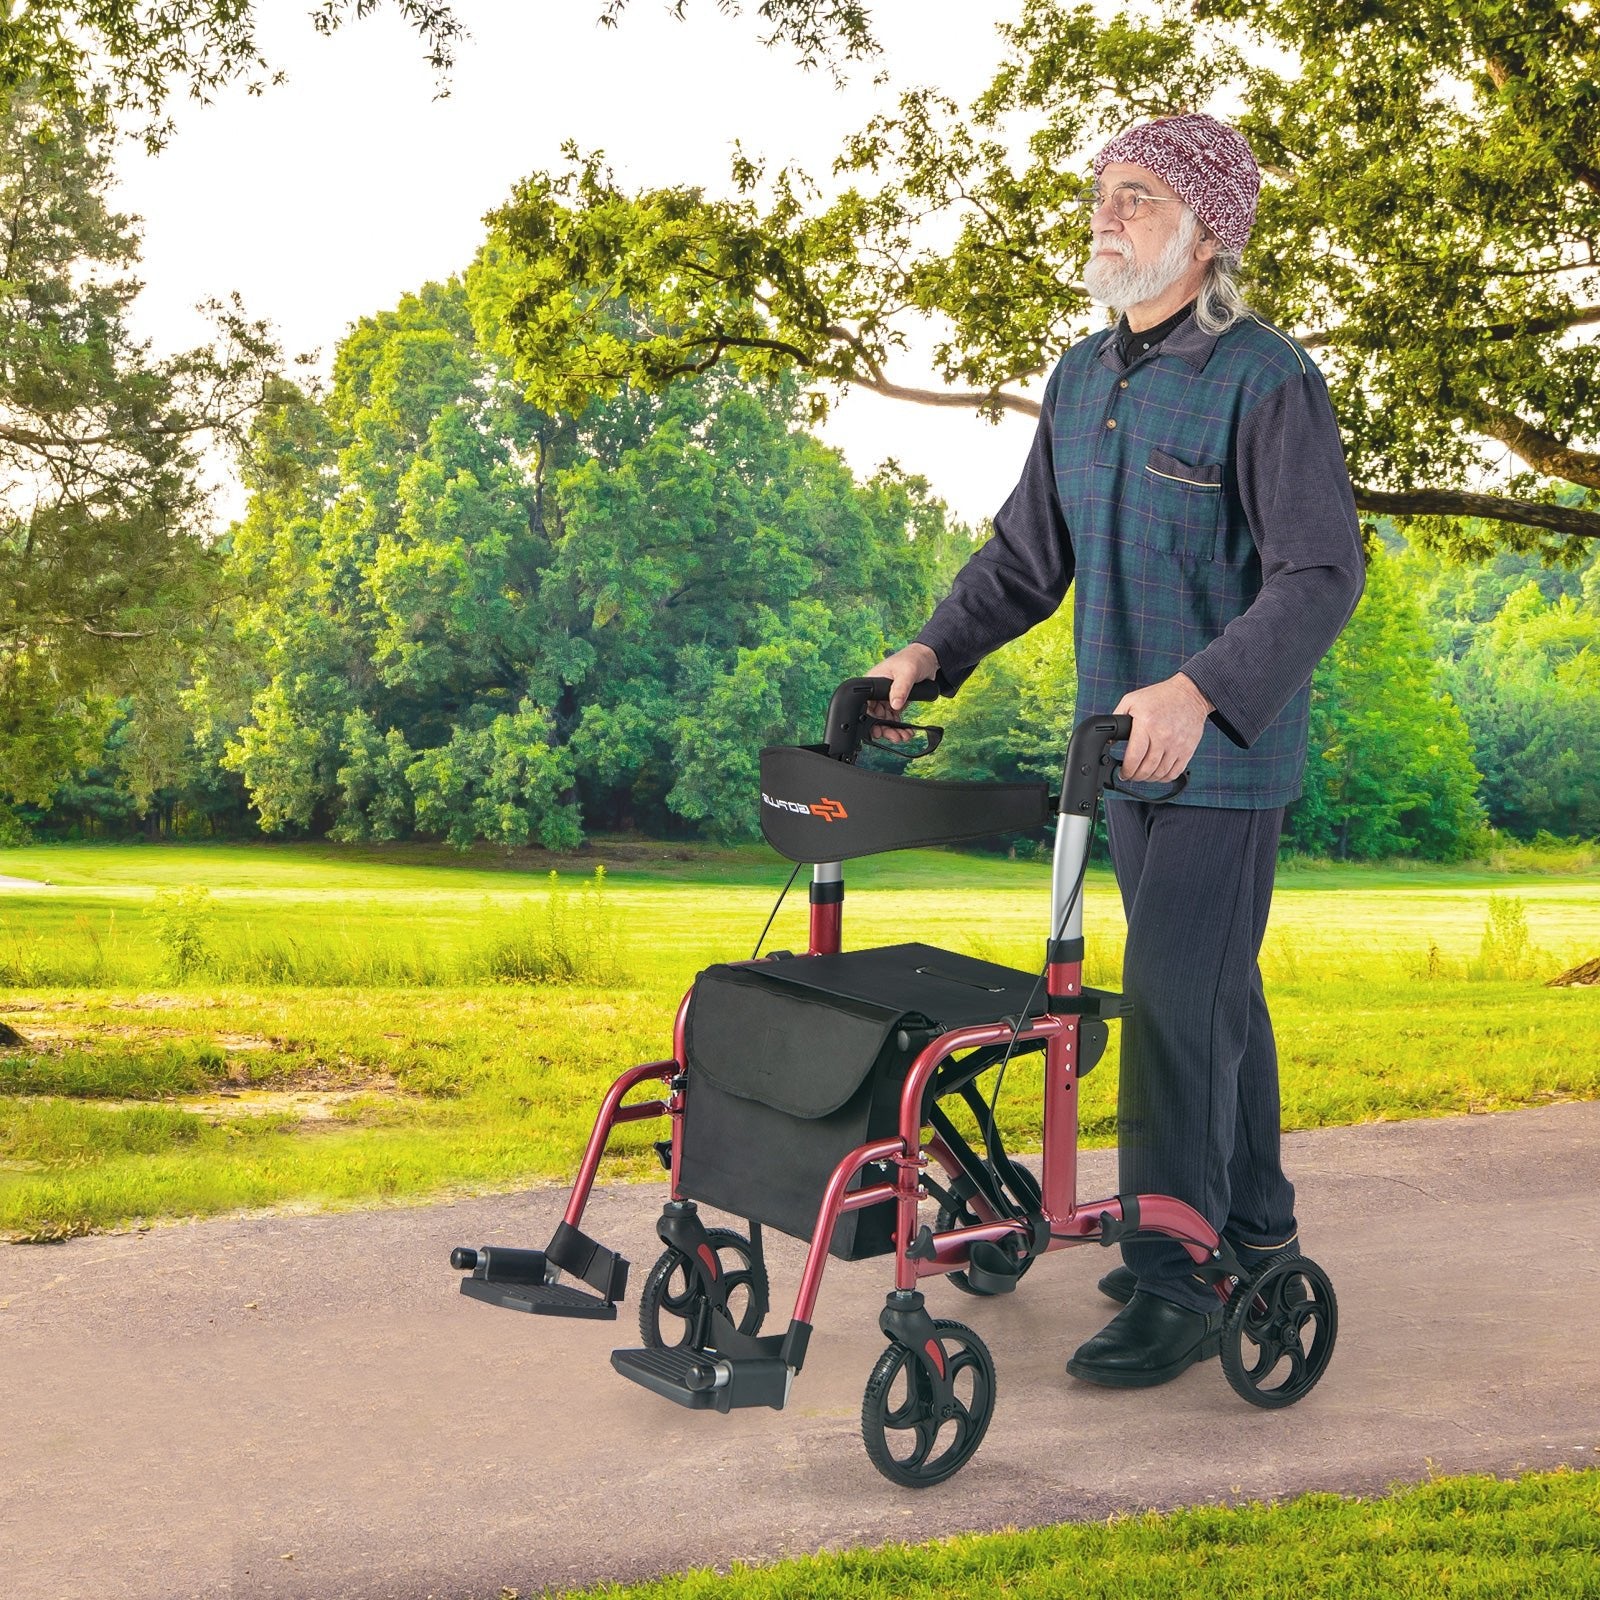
(327, 198)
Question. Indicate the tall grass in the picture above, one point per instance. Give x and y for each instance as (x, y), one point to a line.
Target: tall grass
(479, 1018)
(562, 936)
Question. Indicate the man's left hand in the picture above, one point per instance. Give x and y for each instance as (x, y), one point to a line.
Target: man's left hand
(1168, 719)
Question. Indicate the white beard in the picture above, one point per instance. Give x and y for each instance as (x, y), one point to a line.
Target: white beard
(1122, 283)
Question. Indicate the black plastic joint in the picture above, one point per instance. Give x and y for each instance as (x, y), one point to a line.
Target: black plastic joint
(679, 1227)
(827, 894)
(575, 1252)
(905, 1317)
(1064, 950)
(795, 1342)
(1113, 1230)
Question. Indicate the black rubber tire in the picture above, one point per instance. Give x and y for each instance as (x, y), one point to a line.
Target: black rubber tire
(966, 1217)
(674, 1290)
(883, 1413)
(1278, 1331)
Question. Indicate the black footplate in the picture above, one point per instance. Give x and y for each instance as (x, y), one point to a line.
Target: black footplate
(543, 1299)
(705, 1381)
(521, 1280)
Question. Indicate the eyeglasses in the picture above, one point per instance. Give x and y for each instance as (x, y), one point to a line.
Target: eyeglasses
(1125, 201)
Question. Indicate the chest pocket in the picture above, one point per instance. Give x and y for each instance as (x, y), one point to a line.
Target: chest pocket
(1177, 506)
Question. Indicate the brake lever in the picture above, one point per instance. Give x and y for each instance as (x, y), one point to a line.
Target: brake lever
(893, 747)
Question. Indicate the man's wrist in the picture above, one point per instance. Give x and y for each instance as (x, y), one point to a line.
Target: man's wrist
(1194, 688)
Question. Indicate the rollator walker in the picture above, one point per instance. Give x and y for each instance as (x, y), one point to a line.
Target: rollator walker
(813, 1093)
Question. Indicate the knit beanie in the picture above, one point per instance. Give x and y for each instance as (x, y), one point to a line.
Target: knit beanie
(1207, 163)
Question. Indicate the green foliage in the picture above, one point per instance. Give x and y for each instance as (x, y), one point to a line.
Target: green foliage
(1446, 339)
(503, 782)
(1529, 687)
(183, 919)
(456, 616)
(105, 574)
(1390, 770)
(1507, 949)
(567, 939)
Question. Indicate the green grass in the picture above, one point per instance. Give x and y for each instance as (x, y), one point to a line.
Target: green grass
(1468, 1538)
(380, 1062)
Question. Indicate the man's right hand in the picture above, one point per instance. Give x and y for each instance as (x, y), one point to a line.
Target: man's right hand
(913, 665)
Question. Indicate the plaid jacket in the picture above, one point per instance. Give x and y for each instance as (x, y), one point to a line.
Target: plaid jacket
(1198, 502)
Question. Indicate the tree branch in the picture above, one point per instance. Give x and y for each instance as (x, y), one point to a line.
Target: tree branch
(1542, 451)
(1578, 317)
(1569, 520)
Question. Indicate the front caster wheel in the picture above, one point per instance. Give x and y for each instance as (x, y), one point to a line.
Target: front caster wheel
(1278, 1331)
(926, 1411)
(673, 1307)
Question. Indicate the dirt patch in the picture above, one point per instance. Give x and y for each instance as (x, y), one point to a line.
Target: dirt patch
(309, 1105)
(166, 1002)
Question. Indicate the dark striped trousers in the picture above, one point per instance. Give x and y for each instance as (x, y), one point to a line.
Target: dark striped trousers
(1198, 1097)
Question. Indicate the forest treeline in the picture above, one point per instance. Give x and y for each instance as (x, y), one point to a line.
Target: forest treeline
(449, 614)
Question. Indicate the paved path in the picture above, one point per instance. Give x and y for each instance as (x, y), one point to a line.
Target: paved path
(306, 1407)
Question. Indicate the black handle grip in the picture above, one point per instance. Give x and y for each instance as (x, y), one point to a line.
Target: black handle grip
(846, 711)
(1089, 767)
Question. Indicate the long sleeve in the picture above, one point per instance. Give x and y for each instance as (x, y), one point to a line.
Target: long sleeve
(1015, 580)
(1302, 515)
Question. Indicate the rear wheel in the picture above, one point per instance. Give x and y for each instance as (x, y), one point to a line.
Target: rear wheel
(1278, 1331)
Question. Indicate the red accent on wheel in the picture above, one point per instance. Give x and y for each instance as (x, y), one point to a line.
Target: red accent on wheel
(935, 1355)
(709, 1256)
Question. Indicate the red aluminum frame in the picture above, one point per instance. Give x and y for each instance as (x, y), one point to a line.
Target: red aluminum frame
(1070, 1222)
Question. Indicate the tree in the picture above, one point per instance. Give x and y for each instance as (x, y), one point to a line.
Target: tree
(1529, 687)
(458, 615)
(1446, 339)
(139, 54)
(1390, 770)
(104, 569)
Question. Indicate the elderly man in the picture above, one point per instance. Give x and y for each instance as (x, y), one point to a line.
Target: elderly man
(1188, 483)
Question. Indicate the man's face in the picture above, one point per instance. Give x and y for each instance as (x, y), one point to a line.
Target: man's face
(1137, 259)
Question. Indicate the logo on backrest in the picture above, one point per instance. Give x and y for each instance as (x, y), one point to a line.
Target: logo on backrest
(828, 810)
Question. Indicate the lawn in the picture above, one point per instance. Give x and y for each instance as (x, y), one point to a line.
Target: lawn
(1470, 1538)
(210, 1027)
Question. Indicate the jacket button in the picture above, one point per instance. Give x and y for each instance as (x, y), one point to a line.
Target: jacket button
(1111, 422)
(1123, 384)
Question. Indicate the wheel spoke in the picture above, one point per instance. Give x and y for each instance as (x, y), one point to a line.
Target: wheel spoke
(927, 1437)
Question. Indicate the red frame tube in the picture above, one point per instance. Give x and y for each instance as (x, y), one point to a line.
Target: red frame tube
(1071, 1222)
(611, 1112)
(827, 928)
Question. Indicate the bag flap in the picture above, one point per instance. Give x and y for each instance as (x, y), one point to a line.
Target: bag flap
(799, 1052)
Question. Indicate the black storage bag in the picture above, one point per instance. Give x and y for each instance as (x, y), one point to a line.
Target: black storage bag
(783, 1083)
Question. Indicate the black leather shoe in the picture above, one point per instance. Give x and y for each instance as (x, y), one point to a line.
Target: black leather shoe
(1120, 1282)
(1149, 1341)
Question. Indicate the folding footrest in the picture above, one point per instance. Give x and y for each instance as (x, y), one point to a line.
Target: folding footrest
(543, 1299)
(702, 1380)
(523, 1280)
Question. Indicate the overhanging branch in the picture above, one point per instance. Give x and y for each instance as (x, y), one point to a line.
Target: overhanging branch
(1570, 520)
